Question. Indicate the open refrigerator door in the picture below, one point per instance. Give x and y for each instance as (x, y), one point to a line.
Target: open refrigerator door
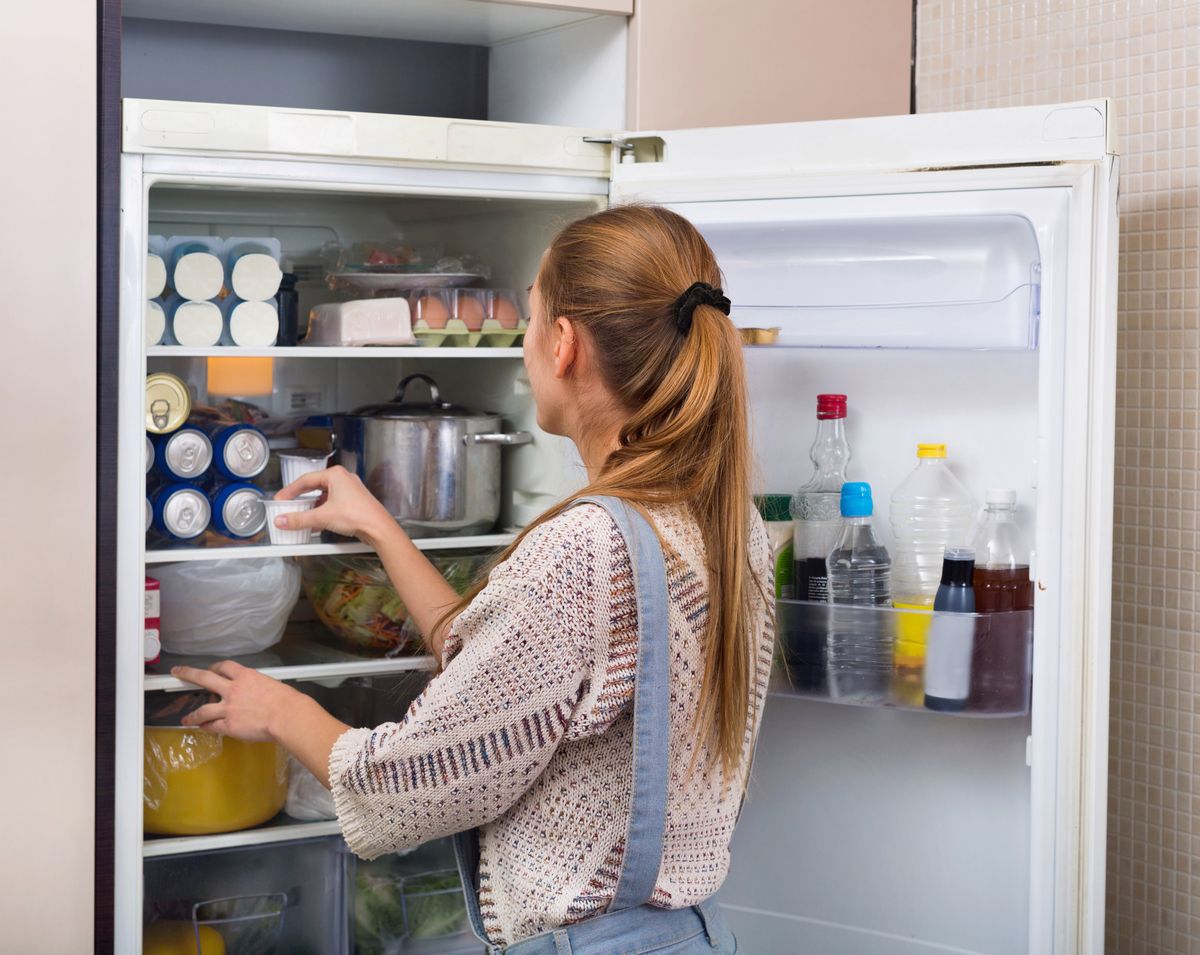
(954, 276)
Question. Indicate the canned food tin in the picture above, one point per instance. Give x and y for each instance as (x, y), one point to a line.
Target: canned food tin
(240, 451)
(181, 511)
(237, 510)
(149, 454)
(151, 634)
(168, 403)
(184, 455)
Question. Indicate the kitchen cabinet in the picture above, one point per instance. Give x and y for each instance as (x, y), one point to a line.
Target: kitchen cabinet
(731, 62)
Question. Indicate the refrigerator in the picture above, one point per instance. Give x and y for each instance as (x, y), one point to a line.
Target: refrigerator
(953, 274)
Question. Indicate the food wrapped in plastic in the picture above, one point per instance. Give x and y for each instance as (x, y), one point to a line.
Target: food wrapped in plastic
(226, 607)
(353, 597)
(197, 783)
(307, 799)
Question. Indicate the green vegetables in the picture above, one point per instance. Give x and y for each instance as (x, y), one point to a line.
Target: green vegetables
(353, 597)
(390, 908)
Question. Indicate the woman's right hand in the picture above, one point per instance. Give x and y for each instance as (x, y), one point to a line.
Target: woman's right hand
(345, 507)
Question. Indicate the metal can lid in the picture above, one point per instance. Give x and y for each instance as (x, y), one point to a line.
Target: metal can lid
(186, 512)
(243, 513)
(246, 452)
(168, 403)
(188, 453)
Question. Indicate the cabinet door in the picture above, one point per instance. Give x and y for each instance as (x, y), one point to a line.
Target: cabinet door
(716, 62)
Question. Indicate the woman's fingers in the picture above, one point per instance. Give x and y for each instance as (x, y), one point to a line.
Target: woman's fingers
(314, 480)
(206, 714)
(227, 668)
(208, 679)
(219, 726)
(299, 520)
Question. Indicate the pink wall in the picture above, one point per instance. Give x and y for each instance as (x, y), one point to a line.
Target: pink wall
(1145, 54)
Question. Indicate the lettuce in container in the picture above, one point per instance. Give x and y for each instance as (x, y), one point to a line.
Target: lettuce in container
(356, 602)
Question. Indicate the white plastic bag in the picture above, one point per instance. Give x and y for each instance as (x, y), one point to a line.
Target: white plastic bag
(226, 607)
(307, 799)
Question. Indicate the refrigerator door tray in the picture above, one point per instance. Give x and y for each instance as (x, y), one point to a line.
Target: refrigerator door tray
(952, 663)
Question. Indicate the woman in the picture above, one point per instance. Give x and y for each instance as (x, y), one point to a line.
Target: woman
(595, 819)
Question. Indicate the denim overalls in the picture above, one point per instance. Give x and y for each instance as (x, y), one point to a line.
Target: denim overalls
(630, 926)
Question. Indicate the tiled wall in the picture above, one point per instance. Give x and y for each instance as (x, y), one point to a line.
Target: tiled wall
(1146, 56)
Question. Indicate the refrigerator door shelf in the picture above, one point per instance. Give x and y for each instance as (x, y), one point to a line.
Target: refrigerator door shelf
(973, 665)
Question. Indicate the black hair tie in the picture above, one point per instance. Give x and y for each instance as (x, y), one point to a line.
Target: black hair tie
(698, 293)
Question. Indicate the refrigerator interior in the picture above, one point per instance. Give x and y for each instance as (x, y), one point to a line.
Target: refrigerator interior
(941, 317)
(505, 236)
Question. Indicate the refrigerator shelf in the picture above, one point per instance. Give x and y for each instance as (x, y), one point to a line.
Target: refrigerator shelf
(973, 665)
(315, 351)
(282, 828)
(307, 651)
(222, 549)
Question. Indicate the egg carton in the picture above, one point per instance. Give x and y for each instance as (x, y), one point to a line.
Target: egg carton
(466, 318)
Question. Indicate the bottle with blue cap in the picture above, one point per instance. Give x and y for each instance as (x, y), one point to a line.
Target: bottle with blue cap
(859, 643)
(859, 566)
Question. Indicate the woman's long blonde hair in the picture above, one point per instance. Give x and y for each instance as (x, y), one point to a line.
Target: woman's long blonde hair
(618, 274)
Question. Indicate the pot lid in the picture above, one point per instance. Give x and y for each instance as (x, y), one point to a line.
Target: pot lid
(435, 407)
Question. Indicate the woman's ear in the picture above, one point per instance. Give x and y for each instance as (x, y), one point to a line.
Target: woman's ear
(566, 346)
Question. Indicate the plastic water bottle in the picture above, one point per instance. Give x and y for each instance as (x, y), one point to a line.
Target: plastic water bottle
(859, 644)
(931, 510)
(816, 508)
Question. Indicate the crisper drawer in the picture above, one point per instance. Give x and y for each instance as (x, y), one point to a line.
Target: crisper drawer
(410, 904)
(261, 900)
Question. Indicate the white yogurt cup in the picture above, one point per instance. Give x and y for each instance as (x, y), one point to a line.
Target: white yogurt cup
(281, 535)
(294, 462)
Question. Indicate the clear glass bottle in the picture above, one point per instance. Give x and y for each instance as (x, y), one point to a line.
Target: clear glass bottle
(816, 507)
(860, 640)
(1001, 557)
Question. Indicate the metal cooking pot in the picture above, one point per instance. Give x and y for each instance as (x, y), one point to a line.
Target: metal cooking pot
(435, 466)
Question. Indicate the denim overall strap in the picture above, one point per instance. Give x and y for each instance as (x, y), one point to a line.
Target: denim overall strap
(648, 804)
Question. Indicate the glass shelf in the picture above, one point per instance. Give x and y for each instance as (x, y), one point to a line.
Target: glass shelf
(215, 547)
(307, 652)
(330, 351)
(961, 664)
(282, 828)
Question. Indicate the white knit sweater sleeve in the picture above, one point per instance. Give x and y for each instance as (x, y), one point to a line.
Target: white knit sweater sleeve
(484, 729)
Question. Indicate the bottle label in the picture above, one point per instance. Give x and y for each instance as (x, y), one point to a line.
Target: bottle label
(812, 579)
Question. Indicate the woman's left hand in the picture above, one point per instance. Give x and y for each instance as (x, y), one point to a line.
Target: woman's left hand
(251, 704)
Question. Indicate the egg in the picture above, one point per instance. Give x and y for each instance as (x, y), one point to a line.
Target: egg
(505, 312)
(470, 311)
(432, 311)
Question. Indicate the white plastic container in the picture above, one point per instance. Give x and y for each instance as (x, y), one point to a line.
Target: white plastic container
(250, 324)
(253, 267)
(369, 321)
(155, 323)
(296, 462)
(156, 275)
(193, 324)
(931, 510)
(280, 535)
(194, 266)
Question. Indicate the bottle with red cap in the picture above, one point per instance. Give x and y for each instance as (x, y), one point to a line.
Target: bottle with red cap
(816, 505)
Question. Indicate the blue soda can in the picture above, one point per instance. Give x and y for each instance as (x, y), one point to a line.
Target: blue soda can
(183, 455)
(240, 451)
(237, 509)
(181, 511)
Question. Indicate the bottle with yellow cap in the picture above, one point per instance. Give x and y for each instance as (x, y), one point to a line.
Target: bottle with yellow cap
(931, 510)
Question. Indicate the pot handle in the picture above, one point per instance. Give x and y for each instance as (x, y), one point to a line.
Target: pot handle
(435, 396)
(511, 438)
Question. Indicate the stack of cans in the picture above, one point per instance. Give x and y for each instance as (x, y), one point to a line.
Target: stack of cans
(199, 474)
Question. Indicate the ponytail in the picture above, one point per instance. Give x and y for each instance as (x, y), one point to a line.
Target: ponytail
(628, 275)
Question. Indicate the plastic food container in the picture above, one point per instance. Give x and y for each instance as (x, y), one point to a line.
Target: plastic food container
(281, 535)
(367, 321)
(295, 462)
(198, 783)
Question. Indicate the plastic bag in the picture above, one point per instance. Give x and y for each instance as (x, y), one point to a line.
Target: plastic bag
(226, 607)
(307, 799)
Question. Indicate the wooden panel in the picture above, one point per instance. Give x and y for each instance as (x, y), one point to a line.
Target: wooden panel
(47, 481)
(725, 62)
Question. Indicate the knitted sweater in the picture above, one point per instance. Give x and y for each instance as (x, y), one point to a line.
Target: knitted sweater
(528, 731)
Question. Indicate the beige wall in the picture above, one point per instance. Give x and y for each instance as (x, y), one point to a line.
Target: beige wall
(47, 385)
(718, 62)
(1146, 55)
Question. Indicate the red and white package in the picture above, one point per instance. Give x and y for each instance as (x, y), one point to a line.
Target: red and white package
(151, 642)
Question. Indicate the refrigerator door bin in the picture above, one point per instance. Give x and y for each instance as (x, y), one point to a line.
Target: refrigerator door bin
(961, 664)
(883, 281)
